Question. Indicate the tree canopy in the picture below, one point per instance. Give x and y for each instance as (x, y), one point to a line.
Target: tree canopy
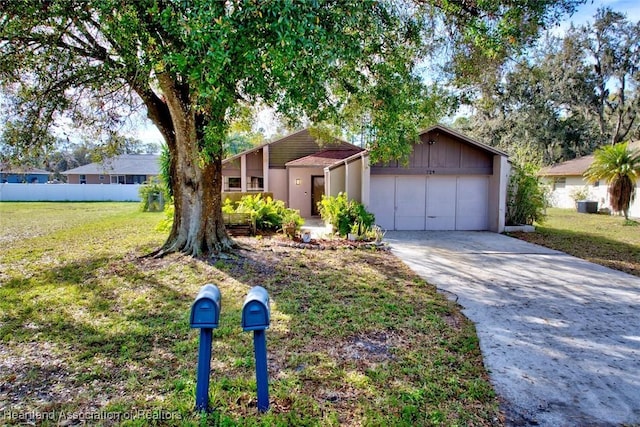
(194, 64)
(567, 96)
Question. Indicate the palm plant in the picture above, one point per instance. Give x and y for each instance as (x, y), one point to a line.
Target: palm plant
(619, 167)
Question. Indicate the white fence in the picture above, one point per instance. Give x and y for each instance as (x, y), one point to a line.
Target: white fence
(68, 193)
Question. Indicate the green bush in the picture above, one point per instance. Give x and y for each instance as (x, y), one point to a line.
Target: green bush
(346, 216)
(527, 197)
(153, 196)
(268, 214)
(166, 224)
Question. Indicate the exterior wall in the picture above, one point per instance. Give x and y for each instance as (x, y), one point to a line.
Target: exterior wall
(336, 182)
(353, 180)
(68, 192)
(562, 197)
(106, 179)
(366, 181)
(300, 195)
(440, 154)
(498, 193)
(254, 169)
(278, 184)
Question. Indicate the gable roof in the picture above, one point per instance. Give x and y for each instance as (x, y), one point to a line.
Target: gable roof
(324, 158)
(125, 164)
(577, 166)
(293, 147)
(7, 169)
(456, 134)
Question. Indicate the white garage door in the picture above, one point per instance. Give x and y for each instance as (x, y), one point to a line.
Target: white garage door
(430, 203)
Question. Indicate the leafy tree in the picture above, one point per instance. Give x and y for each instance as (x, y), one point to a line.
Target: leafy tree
(619, 167)
(612, 45)
(194, 64)
(567, 96)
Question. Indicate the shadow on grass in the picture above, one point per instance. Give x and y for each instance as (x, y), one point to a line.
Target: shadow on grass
(600, 250)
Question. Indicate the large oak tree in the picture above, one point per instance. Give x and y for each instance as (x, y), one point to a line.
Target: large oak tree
(193, 63)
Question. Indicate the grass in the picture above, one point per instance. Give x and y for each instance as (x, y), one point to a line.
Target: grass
(606, 240)
(89, 328)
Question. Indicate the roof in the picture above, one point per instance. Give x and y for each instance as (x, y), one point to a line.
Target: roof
(458, 135)
(22, 170)
(126, 164)
(293, 147)
(577, 166)
(324, 158)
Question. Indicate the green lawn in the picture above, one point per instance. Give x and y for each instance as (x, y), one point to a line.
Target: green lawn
(602, 239)
(90, 328)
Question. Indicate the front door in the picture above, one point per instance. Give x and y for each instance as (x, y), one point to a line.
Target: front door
(317, 191)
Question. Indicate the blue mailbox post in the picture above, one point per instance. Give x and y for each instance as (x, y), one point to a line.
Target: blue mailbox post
(256, 317)
(205, 314)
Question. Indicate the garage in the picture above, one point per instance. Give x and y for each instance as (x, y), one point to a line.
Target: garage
(448, 183)
(430, 203)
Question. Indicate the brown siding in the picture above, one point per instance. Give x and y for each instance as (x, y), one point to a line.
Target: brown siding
(440, 153)
(296, 146)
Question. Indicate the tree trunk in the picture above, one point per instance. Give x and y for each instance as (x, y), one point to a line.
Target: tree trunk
(198, 226)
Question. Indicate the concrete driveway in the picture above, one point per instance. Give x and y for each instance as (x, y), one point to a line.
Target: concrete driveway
(560, 336)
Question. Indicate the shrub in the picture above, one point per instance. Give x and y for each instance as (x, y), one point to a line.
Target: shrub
(527, 197)
(268, 214)
(579, 194)
(346, 216)
(153, 196)
(167, 222)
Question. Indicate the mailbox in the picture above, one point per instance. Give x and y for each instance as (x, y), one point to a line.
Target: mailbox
(255, 310)
(205, 310)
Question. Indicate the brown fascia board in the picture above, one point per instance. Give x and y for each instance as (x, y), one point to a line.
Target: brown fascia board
(457, 134)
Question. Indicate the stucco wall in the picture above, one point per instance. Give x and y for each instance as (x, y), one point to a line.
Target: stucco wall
(498, 193)
(336, 180)
(278, 184)
(300, 195)
(353, 180)
(563, 197)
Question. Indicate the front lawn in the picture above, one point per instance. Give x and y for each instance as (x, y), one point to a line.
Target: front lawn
(90, 329)
(601, 239)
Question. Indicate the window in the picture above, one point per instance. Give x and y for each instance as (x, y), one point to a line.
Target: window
(596, 184)
(118, 179)
(559, 182)
(83, 179)
(232, 183)
(256, 183)
(101, 177)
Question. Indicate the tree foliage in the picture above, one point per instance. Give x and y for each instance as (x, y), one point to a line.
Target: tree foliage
(619, 167)
(527, 198)
(196, 64)
(567, 96)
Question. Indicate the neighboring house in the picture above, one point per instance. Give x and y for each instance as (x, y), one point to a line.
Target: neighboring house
(123, 169)
(450, 182)
(566, 183)
(20, 175)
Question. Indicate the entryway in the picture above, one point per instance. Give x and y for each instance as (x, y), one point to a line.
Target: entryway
(317, 191)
